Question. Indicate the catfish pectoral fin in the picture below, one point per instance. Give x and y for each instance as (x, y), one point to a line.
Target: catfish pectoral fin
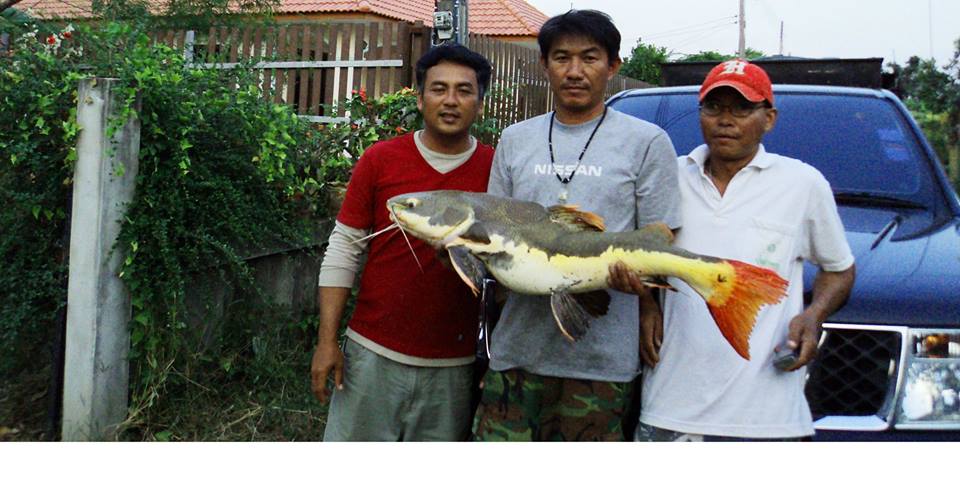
(595, 302)
(572, 318)
(658, 282)
(471, 270)
(574, 219)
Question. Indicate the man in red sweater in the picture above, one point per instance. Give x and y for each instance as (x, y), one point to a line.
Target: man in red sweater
(406, 367)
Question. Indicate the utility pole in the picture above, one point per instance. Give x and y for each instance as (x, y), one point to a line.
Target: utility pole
(742, 47)
(450, 22)
(781, 38)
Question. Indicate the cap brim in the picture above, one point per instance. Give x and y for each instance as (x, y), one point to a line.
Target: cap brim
(741, 88)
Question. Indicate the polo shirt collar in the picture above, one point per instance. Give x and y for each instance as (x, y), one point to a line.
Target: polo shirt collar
(762, 160)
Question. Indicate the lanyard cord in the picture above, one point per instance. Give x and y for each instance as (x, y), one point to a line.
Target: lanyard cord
(566, 180)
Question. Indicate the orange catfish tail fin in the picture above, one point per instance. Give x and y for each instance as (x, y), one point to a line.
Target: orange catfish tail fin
(734, 306)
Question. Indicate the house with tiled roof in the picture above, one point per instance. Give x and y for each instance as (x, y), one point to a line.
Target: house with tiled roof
(508, 20)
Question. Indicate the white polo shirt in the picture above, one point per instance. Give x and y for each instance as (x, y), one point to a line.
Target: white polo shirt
(775, 213)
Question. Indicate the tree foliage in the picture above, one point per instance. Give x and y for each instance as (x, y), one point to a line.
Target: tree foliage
(932, 93)
(644, 62)
(706, 56)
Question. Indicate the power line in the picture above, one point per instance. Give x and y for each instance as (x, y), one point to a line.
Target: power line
(693, 31)
(699, 37)
(684, 28)
(681, 32)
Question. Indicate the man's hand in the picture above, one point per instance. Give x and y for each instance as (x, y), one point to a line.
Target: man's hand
(804, 333)
(624, 280)
(651, 330)
(326, 358)
(830, 290)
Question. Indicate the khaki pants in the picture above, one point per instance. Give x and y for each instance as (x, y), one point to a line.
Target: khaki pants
(383, 400)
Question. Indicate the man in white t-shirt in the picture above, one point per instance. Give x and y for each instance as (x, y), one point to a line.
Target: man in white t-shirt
(741, 202)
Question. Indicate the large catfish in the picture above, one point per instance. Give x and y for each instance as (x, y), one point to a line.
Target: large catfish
(563, 252)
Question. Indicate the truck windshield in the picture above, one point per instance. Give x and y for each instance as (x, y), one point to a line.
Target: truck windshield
(861, 144)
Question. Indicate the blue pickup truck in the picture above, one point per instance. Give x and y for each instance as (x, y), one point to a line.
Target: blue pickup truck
(889, 360)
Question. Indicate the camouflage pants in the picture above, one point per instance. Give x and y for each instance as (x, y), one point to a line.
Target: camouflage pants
(520, 406)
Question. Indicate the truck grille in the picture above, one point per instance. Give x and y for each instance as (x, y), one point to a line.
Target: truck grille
(854, 373)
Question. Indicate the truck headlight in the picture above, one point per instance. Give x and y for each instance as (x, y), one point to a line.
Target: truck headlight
(931, 389)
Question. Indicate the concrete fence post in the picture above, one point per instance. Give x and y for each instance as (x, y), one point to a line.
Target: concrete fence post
(96, 370)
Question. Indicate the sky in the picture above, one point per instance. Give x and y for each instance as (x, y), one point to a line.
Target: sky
(889, 29)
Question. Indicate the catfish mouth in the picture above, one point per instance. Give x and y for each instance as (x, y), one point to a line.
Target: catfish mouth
(426, 226)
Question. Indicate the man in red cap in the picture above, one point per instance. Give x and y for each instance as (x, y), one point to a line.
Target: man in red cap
(741, 202)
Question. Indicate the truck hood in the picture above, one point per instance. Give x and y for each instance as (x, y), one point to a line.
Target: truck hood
(908, 269)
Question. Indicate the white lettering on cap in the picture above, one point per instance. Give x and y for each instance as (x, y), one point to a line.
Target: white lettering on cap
(734, 67)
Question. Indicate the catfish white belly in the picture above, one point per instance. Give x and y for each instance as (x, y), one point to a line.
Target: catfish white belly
(528, 270)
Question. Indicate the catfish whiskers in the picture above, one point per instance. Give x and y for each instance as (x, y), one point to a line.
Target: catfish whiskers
(372, 235)
(404, 233)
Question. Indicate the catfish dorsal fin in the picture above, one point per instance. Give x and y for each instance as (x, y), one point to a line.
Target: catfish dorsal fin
(659, 232)
(574, 219)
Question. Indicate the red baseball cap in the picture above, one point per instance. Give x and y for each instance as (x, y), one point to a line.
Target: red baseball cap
(749, 79)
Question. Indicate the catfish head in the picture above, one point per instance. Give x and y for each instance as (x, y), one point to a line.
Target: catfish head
(436, 217)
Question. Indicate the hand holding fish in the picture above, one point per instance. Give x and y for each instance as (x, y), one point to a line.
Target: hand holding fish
(623, 279)
(651, 330)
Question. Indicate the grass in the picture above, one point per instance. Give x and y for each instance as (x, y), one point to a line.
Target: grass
(253, 384)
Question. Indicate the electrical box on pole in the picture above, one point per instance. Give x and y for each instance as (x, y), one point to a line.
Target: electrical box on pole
(449, 22)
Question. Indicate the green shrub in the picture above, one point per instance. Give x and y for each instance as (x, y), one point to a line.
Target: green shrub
(37, 103)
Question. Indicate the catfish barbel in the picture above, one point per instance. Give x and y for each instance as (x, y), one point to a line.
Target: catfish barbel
(563, 252)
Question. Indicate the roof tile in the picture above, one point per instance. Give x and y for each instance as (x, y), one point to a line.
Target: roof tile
(487, 17)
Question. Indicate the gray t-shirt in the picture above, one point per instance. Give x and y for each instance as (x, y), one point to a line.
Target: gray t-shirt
(628, 176)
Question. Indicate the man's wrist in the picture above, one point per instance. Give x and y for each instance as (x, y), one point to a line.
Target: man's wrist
(327, 338)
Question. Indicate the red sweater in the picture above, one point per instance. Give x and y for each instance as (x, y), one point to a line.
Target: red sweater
(429, 314)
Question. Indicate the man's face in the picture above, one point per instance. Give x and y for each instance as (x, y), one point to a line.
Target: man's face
(732, 138)
(450, 99)
(578, 69)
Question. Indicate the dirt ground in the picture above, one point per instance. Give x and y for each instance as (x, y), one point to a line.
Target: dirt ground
(23, 406)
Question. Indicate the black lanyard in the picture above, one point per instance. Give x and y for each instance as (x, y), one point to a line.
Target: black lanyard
(566, 180)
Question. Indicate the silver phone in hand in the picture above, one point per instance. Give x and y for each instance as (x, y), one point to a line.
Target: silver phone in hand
(784, 358)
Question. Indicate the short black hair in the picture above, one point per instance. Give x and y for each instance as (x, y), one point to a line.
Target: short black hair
(454, 53)
(587, 23)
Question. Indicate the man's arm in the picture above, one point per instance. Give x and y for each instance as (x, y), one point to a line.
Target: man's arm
(651, 317)
(341, 263)
(501, 181)
(328, 357)
(830, 292)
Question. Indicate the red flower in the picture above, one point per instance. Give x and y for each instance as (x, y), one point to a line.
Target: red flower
(353, 126)
(400, 129)
(363, 94)
(51, 40)
(66, 35)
